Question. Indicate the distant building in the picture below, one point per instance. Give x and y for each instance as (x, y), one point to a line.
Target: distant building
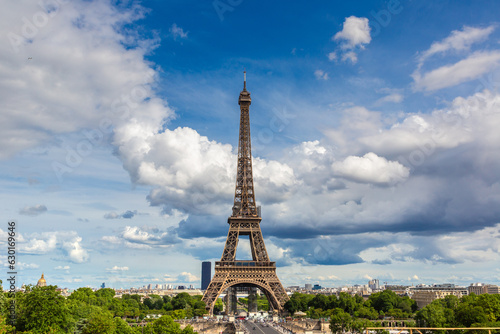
(480, 288)
(317, 287)
(424, 295)
(493, 289)
(41, 282)
(103, 285)
(308, 286)
(477, 288)
(374, 284)
(206, 274)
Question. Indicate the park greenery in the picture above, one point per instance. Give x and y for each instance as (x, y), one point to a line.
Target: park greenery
(43, 310)
(378, 305)
(354, 314)
(261, 301)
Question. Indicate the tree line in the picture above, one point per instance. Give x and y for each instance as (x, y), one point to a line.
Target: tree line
(380, 304)
(43, 310)
(467, 311)
(348, 313)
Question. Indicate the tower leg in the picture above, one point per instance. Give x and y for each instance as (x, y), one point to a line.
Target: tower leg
(252, 299)
(232, 301)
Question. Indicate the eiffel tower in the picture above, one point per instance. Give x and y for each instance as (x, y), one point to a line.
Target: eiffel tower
(245, 220)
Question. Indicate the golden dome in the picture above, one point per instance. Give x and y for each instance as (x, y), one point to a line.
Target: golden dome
(42, 281)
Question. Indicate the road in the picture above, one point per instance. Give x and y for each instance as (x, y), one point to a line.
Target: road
(259, 328)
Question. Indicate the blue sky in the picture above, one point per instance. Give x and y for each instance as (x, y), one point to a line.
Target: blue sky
(374, 135)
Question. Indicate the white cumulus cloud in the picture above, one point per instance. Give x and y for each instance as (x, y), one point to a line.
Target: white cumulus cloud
(187, 277)
(355, 32)
(458, 40)
(64, 244)
(75, 250)
(469, 68)
(371, 169)
(96, 79)
(465, 70)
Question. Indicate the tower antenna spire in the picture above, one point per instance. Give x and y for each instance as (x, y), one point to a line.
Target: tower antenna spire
(244, 79)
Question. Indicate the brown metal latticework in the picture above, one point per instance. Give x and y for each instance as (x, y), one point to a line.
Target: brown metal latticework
(260, 271)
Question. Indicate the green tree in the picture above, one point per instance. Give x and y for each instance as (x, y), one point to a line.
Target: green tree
(340, 321)
(467, 315)
(451, 302)
(100, 322)
(262, 304)
(79, 312)
(292, 305)
(384, 301)
(395, 313)
(366, 312)
(148, 302)
(314, 313)
(104, 296)
(491, 306)
(181, 301)
(347, 303)
(42, 310)
(178, 314)
(168, 306)
(188, 330)
(218, 306)
(4, 328)
(131, 307)
(360, 325)
(3, 300)
(199, 306)
(319, 301)
(85, 295)
(121, 326)
(432, 315)
(166, 324)
(117, 306)
(407, 305)
(333, 302)
(299, 302)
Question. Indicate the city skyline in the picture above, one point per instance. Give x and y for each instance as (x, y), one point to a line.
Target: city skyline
(374, 138)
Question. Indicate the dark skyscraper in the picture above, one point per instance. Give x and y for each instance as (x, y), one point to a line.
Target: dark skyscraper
(206, 274)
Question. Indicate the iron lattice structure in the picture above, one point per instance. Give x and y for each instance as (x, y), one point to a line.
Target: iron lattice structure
(245, 221)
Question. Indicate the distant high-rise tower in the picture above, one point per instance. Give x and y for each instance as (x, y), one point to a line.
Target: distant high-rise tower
(374, 284)
(206, 274)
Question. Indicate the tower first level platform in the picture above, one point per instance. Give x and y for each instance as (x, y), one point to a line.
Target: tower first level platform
(259, 272)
